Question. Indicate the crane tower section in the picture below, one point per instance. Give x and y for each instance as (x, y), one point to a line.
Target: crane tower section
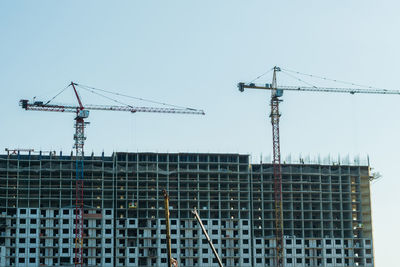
(275, 115)
(79, 137)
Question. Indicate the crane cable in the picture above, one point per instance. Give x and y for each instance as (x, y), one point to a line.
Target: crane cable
(93, 90)
(57, 94)
(109, 98)
(298, 79)
(265, 73)
(128, 96)
(329, 79)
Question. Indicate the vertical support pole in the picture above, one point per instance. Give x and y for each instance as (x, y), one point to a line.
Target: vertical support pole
(79, 143)
(277, 173)
(168, 234)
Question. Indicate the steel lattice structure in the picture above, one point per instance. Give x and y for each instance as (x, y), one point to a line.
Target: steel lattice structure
(79, 143)
(277, 174)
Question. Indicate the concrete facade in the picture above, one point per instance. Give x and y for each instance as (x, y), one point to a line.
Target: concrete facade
(327, 211)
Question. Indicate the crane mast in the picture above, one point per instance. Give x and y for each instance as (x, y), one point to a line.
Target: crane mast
(79, 142)
(276, 161)
(275, 115)
(79, 137)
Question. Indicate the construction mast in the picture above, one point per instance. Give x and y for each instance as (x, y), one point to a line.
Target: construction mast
(276, 93)
(82, 113)
(276, 161)
(275, 115)
(79, 137)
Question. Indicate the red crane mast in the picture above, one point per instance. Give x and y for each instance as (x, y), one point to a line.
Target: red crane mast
(276, 161)
(79, 138)
(275, 115)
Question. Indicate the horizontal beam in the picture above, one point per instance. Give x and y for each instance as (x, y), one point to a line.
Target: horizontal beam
(39, 106)
(352, 91)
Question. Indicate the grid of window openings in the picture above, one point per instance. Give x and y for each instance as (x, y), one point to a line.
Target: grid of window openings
(327, 216)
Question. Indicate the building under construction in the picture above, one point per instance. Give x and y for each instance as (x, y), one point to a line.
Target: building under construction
(326, 210)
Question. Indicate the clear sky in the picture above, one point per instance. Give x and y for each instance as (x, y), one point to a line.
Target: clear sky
(192, 53)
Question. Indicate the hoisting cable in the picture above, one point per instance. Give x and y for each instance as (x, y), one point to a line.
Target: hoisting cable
(107, 97)
(128, 96)
(329, 79)
(298, 79)
(265, 73)
(57, 94)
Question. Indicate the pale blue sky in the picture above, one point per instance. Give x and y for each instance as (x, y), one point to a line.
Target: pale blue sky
(192, 53)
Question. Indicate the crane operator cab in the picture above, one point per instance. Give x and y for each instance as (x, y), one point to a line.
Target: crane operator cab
(277, 93)
(83, 114)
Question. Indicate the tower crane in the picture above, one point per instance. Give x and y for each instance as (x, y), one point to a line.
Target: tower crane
(82, 113)
(276, 94)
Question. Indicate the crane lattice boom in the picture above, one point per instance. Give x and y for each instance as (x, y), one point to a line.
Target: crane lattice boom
(39, 106)
(352, 91)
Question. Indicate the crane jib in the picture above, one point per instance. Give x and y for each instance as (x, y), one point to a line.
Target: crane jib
(39, 106)
(352, 91)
